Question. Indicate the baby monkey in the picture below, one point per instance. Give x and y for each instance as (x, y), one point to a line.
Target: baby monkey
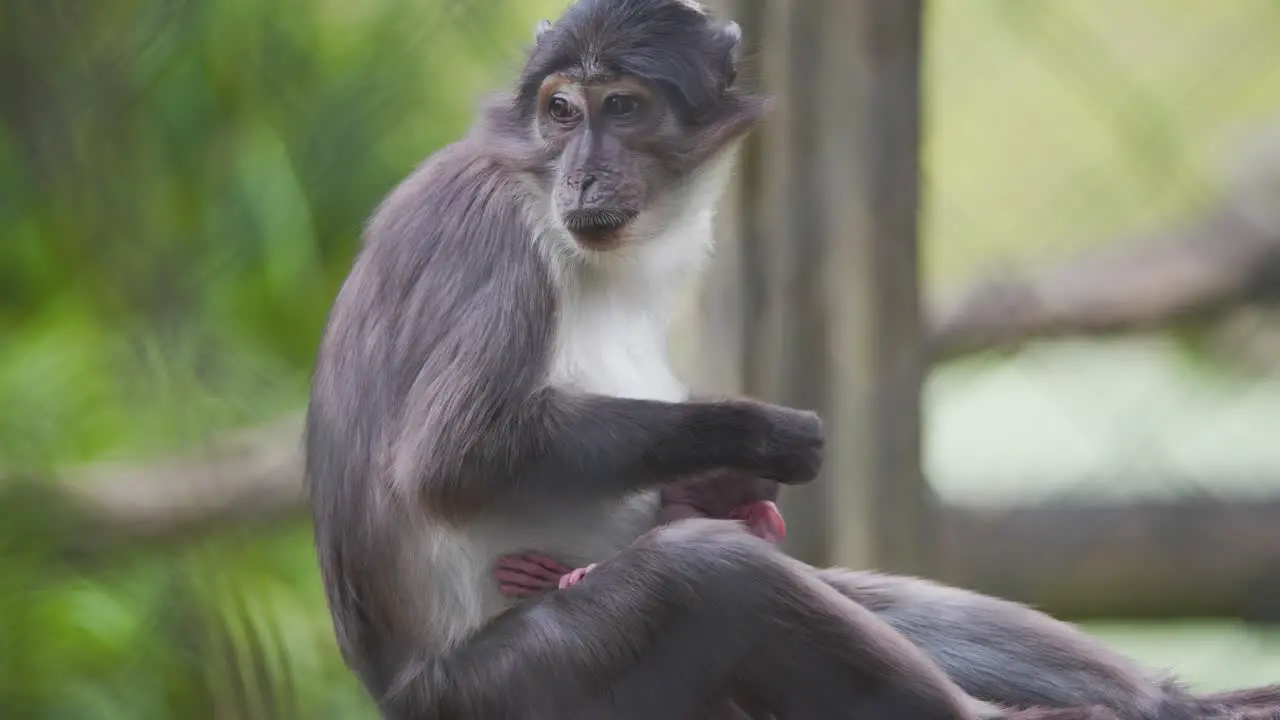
(718, 496)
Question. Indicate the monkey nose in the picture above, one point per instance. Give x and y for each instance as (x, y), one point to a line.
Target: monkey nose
(587, 181)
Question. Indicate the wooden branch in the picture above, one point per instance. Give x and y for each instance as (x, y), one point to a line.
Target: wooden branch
(1228, 256)
(245, 477)
(1182, 274)
(1194, 557)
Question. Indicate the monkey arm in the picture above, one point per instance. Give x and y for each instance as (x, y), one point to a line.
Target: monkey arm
(635, 443)
(594, 446)
(689, 611)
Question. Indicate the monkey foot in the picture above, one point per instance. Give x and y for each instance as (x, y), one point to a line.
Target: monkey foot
(523, 576)
(576, 576)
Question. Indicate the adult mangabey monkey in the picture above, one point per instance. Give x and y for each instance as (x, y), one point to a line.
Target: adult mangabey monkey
(1001, 652)
(494, 377)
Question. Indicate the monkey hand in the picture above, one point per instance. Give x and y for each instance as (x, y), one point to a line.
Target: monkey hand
(789, 445)
(576, 576)
(762, 519)
(522, 576)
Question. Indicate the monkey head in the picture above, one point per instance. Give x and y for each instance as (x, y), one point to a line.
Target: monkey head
(629, 104)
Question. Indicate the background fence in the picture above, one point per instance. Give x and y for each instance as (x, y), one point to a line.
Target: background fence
(181, 190)
(1099, 246)
(1120, 164)
(1087, 142)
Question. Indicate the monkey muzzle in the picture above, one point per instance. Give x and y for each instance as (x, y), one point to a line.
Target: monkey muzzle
(597, 227)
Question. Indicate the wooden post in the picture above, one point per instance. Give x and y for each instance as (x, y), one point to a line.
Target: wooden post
(825, 262)
(731, 294)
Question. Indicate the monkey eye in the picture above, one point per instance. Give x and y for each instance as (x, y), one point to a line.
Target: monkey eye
(621, 105)
(561, 109)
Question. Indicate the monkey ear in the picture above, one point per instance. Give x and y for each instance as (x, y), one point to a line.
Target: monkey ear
(732, 32)
(731, 39)
(541, 29)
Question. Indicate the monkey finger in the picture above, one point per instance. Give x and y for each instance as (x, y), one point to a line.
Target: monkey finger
(520, 565)
(516, 584)
(512, 583)
(515, 577)
(529, 560)
(516, 591)
(550, 564)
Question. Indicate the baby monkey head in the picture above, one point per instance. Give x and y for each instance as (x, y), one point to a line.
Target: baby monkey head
(630, 104)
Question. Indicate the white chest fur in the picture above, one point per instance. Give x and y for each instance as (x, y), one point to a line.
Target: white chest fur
(609, 344)
(615, 313)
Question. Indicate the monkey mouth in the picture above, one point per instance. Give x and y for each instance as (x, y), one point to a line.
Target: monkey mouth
(597, 227)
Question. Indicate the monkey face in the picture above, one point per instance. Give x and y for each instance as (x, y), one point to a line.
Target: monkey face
(632, 107)
(604, 173)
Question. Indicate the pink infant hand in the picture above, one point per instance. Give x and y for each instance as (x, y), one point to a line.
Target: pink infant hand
(576, 576)
(522, 576)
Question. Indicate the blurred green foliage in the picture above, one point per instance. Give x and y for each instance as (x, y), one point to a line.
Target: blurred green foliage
(182, 187)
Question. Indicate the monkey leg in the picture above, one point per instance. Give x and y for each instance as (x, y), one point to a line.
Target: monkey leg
(1012, 655)
(1260, 703)
(690, 611)
(1267, 696)
(1255, 713)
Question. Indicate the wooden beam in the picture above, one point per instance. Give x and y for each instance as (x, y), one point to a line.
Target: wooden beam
(827, 266)
(1186, 272)
(1182, 274)
(1193, 557)
(728, 299)
(250, 477)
